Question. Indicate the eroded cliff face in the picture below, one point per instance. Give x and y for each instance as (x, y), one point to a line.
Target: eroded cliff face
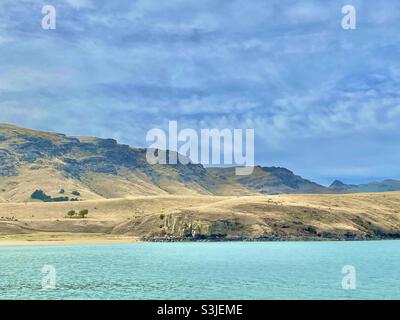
(183, 227)
(180, 226)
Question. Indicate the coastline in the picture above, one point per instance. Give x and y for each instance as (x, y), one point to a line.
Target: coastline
(351, 217)
(63, 238)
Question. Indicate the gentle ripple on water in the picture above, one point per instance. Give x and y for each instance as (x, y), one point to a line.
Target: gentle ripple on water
(229, 270)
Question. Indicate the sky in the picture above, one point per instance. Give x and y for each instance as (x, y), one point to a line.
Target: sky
(323, 101)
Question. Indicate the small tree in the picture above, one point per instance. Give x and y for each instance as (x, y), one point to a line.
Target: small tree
(40, 195)
(71, 213)
(83, 213)
(59, 199)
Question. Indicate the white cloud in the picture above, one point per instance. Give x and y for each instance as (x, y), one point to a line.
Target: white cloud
(80, 4)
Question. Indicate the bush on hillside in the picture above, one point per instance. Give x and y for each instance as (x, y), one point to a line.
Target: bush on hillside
(83, 213)
(59, 199)
(40, 195)
(71, 213)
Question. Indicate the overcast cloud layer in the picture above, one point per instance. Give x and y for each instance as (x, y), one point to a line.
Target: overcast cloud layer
(324, 102)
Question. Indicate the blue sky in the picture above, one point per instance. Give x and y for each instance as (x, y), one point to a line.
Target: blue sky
(324, 102)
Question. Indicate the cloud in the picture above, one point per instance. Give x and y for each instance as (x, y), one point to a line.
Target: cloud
(321, 99)
(79, 4)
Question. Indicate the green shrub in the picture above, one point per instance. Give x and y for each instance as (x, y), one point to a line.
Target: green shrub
(162, 216)
(59, 199)
(83, 213)
(76, 193)
(40, 195)
(71, 213)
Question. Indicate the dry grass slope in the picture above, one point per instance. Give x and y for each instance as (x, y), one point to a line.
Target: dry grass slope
(128, 197)
(276, 217)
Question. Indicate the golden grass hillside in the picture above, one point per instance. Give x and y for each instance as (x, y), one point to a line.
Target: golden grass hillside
(275, 217)
(126, 196)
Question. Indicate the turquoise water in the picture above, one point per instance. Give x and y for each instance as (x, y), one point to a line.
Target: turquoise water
(230, 270)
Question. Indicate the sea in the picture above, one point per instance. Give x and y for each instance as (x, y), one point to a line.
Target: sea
(203, 270)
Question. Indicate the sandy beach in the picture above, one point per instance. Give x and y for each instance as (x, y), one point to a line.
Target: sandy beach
(51, 238)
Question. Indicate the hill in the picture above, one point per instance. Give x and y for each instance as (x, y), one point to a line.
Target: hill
(89, 168)
(103, 169)
(274, 217)
(377, 186)
(96, 168)
(125, 196)
(269, 180)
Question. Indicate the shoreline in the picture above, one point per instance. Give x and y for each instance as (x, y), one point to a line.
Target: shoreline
(54, 239)
(65, 238)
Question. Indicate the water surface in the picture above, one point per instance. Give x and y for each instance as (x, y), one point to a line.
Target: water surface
(224, 270)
